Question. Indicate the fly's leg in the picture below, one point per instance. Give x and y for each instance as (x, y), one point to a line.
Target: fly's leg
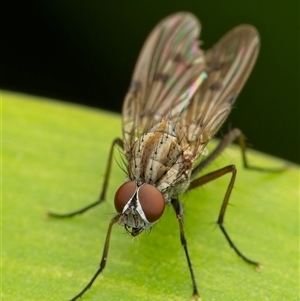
(116, 142)
(210, 177)
(103, 259)
(224, 142)
(179, 214)
(228, 139)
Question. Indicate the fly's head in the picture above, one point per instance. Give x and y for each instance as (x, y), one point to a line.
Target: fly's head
(140, 206)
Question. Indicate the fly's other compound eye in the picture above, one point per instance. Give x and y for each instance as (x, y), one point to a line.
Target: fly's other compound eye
(150, 198)
(124, 194)
(152, 202)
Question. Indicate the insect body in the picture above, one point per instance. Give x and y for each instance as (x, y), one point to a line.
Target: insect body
(178, 98)
(157, 158)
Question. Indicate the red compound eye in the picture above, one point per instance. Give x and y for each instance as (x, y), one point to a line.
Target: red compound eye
(151, 199)
(152, 202)
(124, 194)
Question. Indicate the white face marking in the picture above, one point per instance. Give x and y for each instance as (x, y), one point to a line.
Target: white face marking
(130, 209)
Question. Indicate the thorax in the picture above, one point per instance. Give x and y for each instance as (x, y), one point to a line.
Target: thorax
(161, 158)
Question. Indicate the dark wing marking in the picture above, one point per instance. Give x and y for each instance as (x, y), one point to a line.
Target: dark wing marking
(229, 64)
(169, 70)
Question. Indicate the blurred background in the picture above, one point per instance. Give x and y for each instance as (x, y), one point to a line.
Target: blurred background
(85, 51)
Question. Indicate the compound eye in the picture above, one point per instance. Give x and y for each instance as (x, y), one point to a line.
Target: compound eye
(124, 194)
(152, 202)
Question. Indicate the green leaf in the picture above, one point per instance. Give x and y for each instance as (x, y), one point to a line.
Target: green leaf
(54, 157)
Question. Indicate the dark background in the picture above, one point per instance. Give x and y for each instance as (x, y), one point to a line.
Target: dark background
(85, 51)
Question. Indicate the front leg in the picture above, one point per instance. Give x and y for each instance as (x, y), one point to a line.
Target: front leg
(179, 214)
(116, 142)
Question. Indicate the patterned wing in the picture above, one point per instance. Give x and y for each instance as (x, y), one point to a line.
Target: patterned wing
(169, 70)
(229, 64)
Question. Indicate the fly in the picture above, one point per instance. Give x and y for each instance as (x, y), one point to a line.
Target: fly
(178, 98)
